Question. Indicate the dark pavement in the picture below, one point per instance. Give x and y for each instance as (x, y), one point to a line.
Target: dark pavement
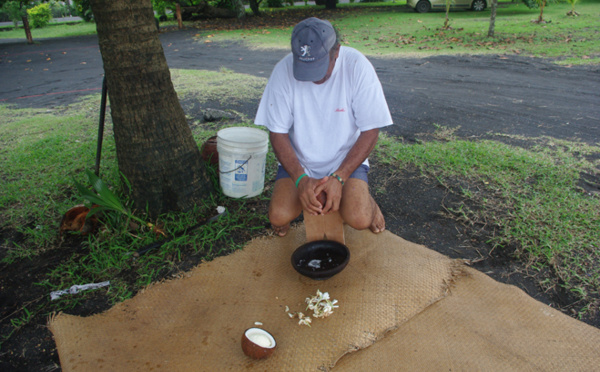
(480, 94)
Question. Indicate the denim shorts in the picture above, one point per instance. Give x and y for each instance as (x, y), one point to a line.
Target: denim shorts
(360, 173)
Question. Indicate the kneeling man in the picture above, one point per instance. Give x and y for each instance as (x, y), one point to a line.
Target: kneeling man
(323, 106)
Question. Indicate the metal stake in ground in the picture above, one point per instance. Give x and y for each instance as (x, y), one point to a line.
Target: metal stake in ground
(101, 126)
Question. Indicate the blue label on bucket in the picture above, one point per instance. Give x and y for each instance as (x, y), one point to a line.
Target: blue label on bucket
(241, 172)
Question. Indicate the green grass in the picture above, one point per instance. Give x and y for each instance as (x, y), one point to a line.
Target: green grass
(392, 29)
(397, 31)
(223, 86)
(51, 31)
(529, 196)
(42, 152)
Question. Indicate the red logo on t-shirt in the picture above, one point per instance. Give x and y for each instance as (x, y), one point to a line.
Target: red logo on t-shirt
(340, 110)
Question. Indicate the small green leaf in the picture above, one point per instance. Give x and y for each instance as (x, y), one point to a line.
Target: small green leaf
(96, 210)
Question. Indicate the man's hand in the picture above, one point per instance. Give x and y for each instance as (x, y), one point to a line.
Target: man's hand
(313, 191)
(307, 192)
(333, 193)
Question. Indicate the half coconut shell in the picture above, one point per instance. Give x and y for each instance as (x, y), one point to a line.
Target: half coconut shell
(258, 343)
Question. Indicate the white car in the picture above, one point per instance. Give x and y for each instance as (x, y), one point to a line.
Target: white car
(423, 6)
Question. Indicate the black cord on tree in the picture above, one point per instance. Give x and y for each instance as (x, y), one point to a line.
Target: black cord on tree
(101, 126)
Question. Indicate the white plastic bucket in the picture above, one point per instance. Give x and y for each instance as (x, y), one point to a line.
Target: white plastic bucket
(242, 159)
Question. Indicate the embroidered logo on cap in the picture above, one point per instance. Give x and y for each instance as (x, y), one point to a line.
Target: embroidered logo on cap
(305, 50)
(305, 54)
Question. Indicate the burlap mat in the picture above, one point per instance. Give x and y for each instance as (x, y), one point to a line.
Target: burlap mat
(196, 323)
(483, 325)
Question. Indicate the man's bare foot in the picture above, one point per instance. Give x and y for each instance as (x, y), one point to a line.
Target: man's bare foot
(281, 230)
(378, 224)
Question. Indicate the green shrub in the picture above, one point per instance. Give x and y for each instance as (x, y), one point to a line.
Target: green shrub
(160, 7)
(59, 9)
(531, 4)
(275, 3)
(40, 15)
(83, 9)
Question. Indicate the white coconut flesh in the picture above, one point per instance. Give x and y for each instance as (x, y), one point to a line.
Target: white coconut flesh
(260, 337)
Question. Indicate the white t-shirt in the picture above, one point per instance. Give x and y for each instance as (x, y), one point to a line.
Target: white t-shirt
(324, 120)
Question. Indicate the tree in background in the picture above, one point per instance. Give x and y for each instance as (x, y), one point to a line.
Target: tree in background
(156, 151)
(448, 4)
(492, 28)
(542, 5)
(537, 4)
(203, 8)
(22, 6)
(15, 11)
(572, 12)
(254, 6)
(160, 8)
(60, 9)
(240, 9)
(83, 9)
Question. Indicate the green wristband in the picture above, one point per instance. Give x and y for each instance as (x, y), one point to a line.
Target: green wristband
(299, 178)
(338, 178)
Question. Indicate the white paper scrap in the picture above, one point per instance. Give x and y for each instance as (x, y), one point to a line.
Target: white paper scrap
(76, 289)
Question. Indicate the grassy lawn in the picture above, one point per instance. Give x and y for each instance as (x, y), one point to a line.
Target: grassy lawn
(43, 153)
(50, 31)
(530, 196)
(394, 30)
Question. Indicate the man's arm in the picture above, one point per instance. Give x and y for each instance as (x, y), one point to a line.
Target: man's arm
(287, 157)
(356, 156)
(358, 153)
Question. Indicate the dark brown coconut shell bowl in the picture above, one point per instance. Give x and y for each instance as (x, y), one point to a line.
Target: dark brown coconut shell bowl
(321, 259)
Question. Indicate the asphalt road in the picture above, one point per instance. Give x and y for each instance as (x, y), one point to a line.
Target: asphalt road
(480, 94)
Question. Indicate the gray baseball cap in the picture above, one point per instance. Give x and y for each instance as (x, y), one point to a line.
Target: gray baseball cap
(312, 39)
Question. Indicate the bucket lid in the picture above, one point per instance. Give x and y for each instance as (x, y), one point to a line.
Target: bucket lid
(243, 135)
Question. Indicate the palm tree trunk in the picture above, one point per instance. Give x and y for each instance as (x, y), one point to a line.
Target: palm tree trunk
(492, 28)
(156, 151)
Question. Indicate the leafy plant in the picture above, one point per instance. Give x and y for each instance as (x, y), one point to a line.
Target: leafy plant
(40, 15)
(541, 4)
(572, 12)
(83, 9)
(161, 6)
(24, 319)
(104, 199)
